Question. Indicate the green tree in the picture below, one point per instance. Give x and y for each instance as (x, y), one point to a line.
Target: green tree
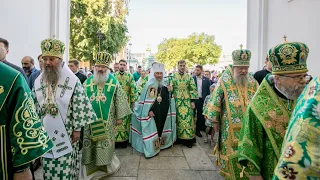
(195, 49)
(90, 16)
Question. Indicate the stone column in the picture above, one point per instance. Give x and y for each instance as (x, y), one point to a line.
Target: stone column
(257, 32)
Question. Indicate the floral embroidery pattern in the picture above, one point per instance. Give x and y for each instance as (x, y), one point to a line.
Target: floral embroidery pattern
(288, 173)
(289, 152)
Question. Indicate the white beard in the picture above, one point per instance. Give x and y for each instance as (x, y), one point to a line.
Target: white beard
(241, 80)
(100, 78)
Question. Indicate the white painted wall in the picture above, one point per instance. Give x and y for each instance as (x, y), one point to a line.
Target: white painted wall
(26, 23)
(270, 20)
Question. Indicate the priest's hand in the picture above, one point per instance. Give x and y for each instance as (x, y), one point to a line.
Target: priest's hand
(119, 122)
(193, 106)
(26, 175)
(75, 136)
(169, 88)
(151, 114)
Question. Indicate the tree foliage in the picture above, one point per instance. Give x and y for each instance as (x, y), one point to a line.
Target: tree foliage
(195, 49)
(91, 16)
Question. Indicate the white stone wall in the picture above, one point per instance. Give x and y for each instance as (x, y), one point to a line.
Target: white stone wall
(270, 20)
(25, 23)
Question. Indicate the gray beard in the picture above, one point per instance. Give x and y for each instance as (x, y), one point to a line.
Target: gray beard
(159, 82)
(52, 76)
(291, 93)
(100, 78)
(241, 80)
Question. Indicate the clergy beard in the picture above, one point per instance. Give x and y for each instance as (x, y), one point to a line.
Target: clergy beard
(291, 93)
(159, 82)
(51, 76)
(241, 80)
(100, 77)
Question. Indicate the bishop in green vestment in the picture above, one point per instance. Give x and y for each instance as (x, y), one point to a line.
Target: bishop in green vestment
(127, 83)
(266, 119)
(111, 106)
(300, 155)
(234, 90)
(185, 93)
(64, 109)
(22, 136)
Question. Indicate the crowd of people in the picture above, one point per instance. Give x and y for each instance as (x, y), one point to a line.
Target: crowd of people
(71, 121)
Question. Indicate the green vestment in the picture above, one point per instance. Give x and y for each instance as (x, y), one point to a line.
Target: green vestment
(184, 90)
(110, 104)
(263, 129)
(22, 136)
(129, 88)
(143, 83)
(226, 106)
(300, 156)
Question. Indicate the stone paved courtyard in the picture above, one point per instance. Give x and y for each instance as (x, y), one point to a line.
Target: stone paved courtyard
(177, 163)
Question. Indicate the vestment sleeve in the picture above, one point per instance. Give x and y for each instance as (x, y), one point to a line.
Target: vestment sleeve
(133, 90)
(251, 142)
(192, 89)
(122, 106)
(213, 108)
(80, 109)
(28, 139)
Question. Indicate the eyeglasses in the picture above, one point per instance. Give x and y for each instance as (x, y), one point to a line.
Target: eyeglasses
(298, 78)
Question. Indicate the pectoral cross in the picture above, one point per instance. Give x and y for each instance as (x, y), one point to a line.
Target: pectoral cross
(285, 38)
(109, 85)
(65, 87)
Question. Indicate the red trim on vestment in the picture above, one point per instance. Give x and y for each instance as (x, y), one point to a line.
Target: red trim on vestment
(144, 119)
(152, 135)
(135, 130)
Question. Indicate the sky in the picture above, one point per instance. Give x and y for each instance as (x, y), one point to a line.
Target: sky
(151, 21)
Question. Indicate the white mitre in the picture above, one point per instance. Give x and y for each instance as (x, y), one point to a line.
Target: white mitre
(157, 67)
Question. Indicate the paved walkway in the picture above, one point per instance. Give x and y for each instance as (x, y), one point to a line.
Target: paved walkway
(177, 163)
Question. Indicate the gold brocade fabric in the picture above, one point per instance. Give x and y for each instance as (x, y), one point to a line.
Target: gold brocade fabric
(263, 129)
(184, 89)
(227, 105)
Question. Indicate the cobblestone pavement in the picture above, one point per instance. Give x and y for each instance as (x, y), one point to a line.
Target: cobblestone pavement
(177, 163)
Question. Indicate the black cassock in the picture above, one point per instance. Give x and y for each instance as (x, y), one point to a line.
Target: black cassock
(260, 75)
(160, 109)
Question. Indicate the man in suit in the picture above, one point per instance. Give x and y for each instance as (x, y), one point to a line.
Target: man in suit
(203, 88)
(4, 50)
(74, 66)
